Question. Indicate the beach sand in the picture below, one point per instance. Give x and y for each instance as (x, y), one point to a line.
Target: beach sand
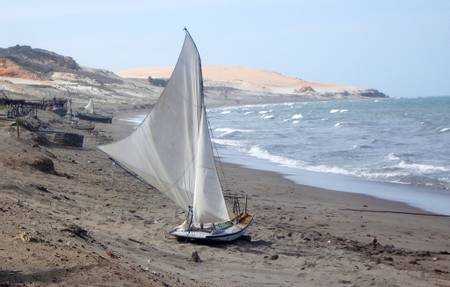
(90, 223)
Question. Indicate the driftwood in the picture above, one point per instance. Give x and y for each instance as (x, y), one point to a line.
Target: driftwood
(78, 231)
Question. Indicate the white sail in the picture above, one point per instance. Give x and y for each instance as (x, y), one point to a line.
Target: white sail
(171, 149)
(90, 106)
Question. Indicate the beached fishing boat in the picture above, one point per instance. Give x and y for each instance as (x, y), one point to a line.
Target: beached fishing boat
(172, 151)
(92, 116)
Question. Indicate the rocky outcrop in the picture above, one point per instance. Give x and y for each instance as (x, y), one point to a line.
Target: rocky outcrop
(157, 82)
(28, 73)
(9, 68)
(37, 61)
(372, 93)
(305, 90)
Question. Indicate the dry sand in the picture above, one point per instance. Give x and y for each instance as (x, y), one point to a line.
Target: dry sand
(301, 235)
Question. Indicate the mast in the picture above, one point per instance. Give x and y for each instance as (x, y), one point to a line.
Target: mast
(181, 165)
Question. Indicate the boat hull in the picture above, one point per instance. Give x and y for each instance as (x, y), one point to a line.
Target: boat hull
(95, 117)
(228, 234)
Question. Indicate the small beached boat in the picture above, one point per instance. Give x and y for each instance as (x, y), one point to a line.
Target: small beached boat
(91, 116)
(172, 151)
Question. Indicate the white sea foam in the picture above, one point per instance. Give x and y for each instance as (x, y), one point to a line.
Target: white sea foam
(393, 165)
(297, 116)
(261, 153)
(264, 112)
(333, 111)
(226, 142)
(228, 131)
(422, 168)
(392, 156)
(445, 179)
(382, 175)
(225, 112)
(391, 176)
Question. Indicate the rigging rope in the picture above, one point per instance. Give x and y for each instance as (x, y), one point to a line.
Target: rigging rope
(222, 182)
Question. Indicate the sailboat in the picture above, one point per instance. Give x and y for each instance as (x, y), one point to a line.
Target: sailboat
(172, 150)
(90, 106)
(91, 115)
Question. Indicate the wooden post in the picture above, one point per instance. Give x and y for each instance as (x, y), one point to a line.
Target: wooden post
(246, 203)
(17, 127)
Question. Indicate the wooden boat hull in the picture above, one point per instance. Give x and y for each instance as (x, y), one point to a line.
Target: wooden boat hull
(95, 117)
(60, 111)
(229, 234)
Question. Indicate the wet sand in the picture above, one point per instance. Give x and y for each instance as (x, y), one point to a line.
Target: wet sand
(90, 223)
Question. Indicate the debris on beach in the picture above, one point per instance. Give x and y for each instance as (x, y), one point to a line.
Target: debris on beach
(43, 164)
(41, 139)
(68, 139)
(40, 187)
(26, 236)
(111, 254)
(311, 235)
(274, 257)
(195, 257)
(78, 231)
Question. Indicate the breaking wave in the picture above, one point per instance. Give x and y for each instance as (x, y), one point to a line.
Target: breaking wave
(422, 168)
(228, 131)
(392, 156)
(333, 111)
(227, 142)
(382, 142)
(258, 152)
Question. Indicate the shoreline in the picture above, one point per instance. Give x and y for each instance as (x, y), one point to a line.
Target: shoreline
(398, 207)
(121, 130)
(301, 235)
(426, 199)
(419, 197)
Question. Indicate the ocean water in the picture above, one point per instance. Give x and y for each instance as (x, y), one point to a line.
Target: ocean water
(402, 144)
(397, 149)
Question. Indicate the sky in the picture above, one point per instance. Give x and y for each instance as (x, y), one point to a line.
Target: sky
(399, 47)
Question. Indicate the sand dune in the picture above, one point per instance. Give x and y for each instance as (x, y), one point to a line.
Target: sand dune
(26, 72)
(243, 78)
